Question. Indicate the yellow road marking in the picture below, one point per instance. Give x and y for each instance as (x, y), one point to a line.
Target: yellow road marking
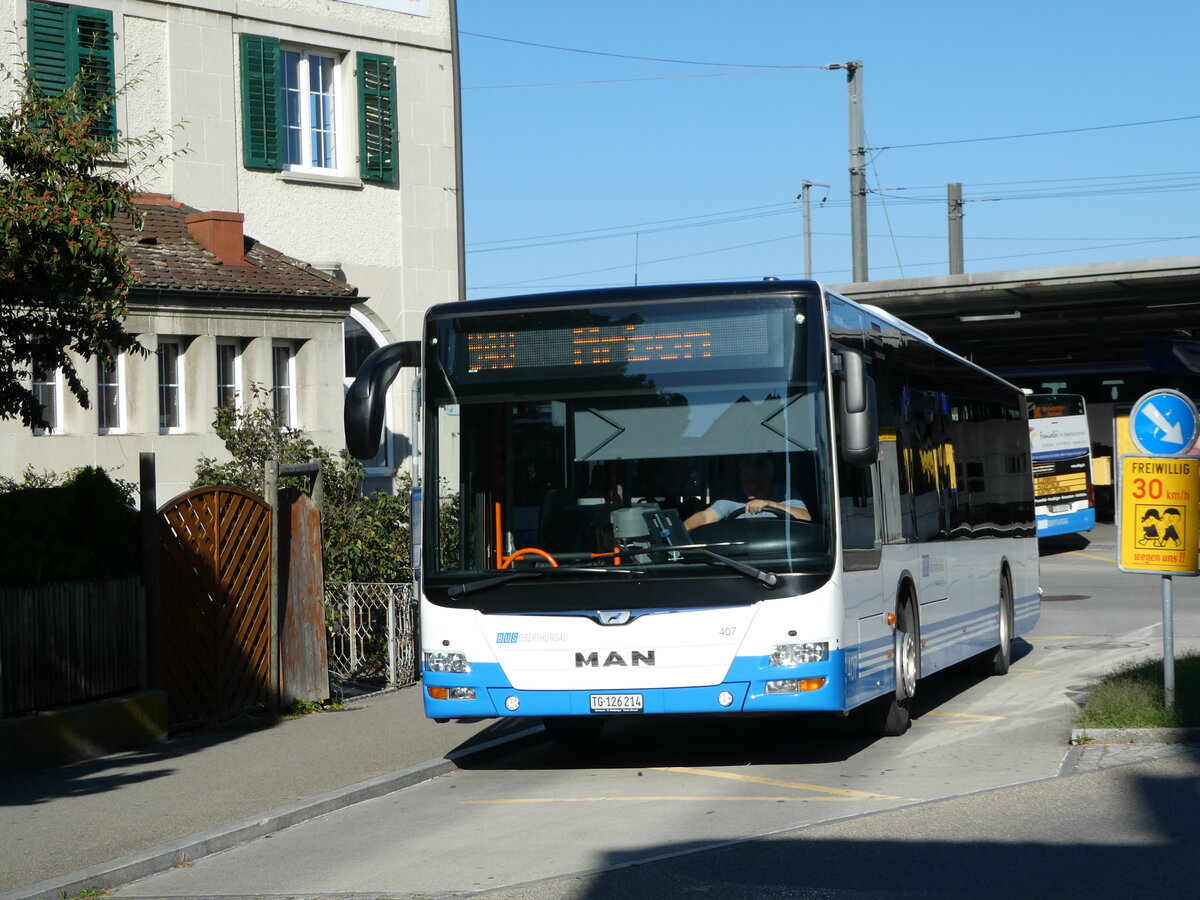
(966, 717)
(800, 786)
(1107, 559)
(787, 799)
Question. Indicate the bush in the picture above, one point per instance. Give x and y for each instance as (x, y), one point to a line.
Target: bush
(78, 527)
(366, 538)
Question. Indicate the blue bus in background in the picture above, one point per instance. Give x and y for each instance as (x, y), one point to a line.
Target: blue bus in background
(1060, 444)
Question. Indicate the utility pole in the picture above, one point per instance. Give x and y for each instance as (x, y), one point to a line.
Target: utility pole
(858, 168)
(954, 209)
(804, 191)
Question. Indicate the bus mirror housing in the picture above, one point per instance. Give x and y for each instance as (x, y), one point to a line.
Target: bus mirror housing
(366, 401)
(857, 422)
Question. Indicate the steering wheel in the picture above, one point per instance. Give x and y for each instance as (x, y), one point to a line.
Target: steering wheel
(777, 513)
(528, 551)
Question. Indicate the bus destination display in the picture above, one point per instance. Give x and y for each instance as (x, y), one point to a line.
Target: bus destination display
(724, 342)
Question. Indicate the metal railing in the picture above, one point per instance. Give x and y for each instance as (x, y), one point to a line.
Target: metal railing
(371, 632)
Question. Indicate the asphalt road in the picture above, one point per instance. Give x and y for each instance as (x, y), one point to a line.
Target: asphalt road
(970, 802)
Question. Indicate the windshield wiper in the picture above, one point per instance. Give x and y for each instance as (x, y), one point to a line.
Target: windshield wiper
(768, 579)
(470, 587)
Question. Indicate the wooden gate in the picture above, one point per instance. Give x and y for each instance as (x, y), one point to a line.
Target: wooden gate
(215, 603)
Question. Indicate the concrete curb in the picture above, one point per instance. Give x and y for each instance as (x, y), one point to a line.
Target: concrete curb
(147, 862)
(1135, 735)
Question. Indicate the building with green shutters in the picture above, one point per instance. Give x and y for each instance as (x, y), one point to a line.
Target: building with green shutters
(328, 131)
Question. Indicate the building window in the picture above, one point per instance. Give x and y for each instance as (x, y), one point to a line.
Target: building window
(291, 108)
(170, 386)
(283, 362)
(47, 389)
(110, 395)
(229, 375)
(72, 42)
(308, 82)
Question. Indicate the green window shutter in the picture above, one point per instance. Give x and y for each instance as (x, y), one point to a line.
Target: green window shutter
(51, 55)
(97, 69)
(70, 42)
(262, 111)
(377, 118)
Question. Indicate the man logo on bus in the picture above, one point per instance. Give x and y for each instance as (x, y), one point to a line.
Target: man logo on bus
(613, 659)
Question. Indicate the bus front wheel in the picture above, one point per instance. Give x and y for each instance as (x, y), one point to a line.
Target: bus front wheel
(890, 716)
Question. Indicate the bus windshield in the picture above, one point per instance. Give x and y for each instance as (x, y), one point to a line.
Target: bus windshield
(628, 441)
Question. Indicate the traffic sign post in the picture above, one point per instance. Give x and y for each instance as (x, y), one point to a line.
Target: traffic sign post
(1157, 525)
(1158, 504)
(1163, 423)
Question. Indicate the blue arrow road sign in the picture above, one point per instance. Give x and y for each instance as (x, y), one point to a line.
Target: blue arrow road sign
(1163, 423)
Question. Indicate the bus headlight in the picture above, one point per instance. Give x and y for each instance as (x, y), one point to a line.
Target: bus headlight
(455, 663)
(795, 685)
(451, 693)
(798, 654)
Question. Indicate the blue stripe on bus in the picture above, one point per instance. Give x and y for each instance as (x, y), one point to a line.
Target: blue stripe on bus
(1054, 455)
(865, 672)
(1067, 523)
(746, 681)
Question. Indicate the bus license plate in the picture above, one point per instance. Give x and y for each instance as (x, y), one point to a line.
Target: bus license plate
(616, 703)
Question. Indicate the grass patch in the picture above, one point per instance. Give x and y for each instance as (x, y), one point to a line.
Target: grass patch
(308, 707)
(1132, 696)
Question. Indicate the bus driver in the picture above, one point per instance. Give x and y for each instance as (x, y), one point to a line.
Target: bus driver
(757, 474)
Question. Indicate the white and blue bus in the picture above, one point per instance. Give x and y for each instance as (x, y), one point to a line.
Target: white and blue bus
(1061, 448)
(724, 498)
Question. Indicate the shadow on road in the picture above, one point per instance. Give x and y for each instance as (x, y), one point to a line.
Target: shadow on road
(717, 740)
(999, 845)
(1063, 543)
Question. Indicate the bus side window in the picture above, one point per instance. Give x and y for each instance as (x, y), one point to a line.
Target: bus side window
(858, 506)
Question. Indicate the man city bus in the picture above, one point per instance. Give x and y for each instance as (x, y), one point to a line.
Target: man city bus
(723, 498)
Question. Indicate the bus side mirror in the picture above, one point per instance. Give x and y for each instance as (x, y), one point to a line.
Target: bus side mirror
(858, 428)
(366, 401)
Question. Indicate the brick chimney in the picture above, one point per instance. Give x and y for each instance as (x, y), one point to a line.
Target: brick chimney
(220, 233)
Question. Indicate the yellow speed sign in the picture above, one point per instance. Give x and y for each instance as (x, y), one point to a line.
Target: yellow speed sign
(1157, 519)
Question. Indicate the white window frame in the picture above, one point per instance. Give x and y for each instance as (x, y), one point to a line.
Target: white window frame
(236, 348)
(102, 389)
(300, 75)
(286, 407)
(386, 439)
(177, 384)
(55, 385)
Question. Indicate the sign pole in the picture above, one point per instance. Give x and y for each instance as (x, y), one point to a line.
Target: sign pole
(1160, 504)
(1168, 644)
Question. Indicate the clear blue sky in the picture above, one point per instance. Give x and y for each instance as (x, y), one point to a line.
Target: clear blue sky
(629, 162)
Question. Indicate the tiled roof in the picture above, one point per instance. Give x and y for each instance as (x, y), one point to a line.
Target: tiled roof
(166, 257)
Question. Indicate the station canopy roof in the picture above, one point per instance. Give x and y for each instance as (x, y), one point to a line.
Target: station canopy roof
(1140, 316)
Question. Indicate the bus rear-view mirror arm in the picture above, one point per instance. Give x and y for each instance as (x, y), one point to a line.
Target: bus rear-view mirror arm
(857, 421)
(366, 401)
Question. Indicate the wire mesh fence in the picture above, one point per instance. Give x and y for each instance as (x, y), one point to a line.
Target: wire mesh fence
(371, 631)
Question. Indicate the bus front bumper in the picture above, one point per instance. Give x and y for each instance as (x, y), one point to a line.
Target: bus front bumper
(751, 685)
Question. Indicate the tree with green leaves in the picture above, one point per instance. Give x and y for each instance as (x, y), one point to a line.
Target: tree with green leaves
(64, 276)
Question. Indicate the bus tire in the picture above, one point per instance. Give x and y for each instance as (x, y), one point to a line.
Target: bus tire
(997, 660)
(573, 731)
(890, 716)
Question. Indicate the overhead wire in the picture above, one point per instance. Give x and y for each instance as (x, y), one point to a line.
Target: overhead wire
(677, 62)
(1010, 137)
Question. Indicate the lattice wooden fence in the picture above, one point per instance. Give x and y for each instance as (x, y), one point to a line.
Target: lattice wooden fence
(214, 591)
